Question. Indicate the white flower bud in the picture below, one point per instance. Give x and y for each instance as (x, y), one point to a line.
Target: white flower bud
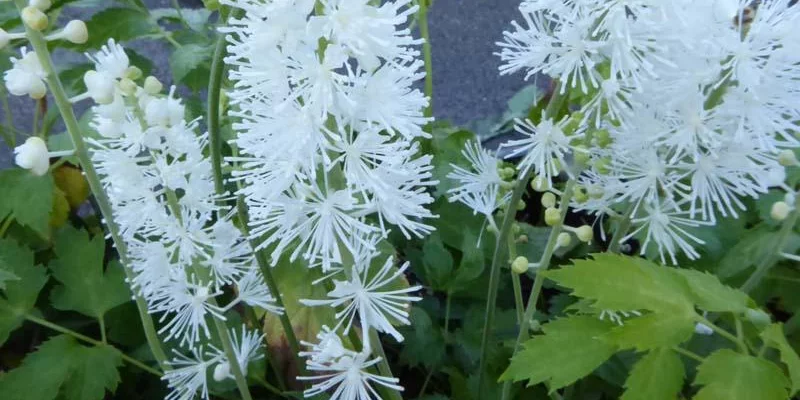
(548, 200)
(152, 85)
(703, 329)
(585, 233)
(133, 73)
(780, 210)
(127, 86)
(222, 371)
(540, 184)
(519, 265)
(75, 31)
(564, 239)
(99, 86)
(34, 18)
(787, 158)
(43, 5)
(552, 216)
(33, 155)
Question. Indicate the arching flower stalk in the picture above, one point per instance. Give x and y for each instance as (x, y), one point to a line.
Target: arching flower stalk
(327, 118)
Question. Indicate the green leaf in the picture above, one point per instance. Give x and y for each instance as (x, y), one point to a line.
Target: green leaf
(570, 349)
(82, 373)
(122, 24)
(656, 376)
(187, 59)
(424, 344)
(774, 337)
(5, 274)
(711, 295)
(729, 375)
(652, 331)
(754, 246)
(617, 282)
(79, 267)
(20, 294)
(27, 198)
(437, 261)
(94, 371)
(470, 267)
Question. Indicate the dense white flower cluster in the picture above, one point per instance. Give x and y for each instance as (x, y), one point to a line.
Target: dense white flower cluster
(686, 106)
(181, 244)
(327, 121)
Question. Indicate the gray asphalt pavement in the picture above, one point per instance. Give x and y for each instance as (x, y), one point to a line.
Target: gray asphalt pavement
(467, 86)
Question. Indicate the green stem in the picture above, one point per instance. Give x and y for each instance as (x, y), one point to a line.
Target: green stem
(515, 280)
(544, 264)
(422, 16)
(272, 284)
(383, 365)
(36, 114)
(6, 224)
(271, 388)
(740, 335)
(780, 243)
(8, 133)
(690, 354)
(212, 115)
(494, 277)
(230, 354)
(102, 322)
(722, 332)
(73, 129)
(84, 338)
(622, 230)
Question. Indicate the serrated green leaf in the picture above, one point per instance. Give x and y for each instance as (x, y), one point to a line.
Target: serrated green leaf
(61, 365)
(188, 58)
(79, 267)
(437, 261)
(774, 337)
(5, 274)
(656, 376)
(42, 372)
(120, 23)
(617, 282)
(652, 331)
(424, 343)
(20, 295)
(570, 349)
(470, 267)
(93, 372)
(711, 295)
(27, 198)
(729, 375)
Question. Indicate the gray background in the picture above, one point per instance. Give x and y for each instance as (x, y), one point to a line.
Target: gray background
(463, 33)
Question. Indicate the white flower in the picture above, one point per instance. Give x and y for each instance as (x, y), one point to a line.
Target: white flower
(342, 372)
(479, 185)
(669, 230)
(33, 155)
(26, 76)
(370, 295)
(190, 306)
(188, 375)
(544, 147)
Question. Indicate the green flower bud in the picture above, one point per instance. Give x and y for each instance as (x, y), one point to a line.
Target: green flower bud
(580, 195)
(573, 124)
(603, 138)
(506, 173)
(552, 216)
(522, 239)
(521, 205)
(519, 265)
(133, 73)
(603, 165)
(127, 86)
(758, 317)
(515, 229)
(540, 184)
(787, 158)
(548, 200)
(585, 233)
(581, 156)
(564, 239)
(34, 18)
(152, 85)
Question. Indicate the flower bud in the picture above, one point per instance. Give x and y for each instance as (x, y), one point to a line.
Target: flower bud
(758, 317)
(152, 85)
(506, 185)
(564, 239)
(585, 233)
(548, 200)
(552, 216)
(522, 239)
(516, 229)
(99, 86)
(33, 155)
(43, 5)
(535, 325)
(75, 32)
(519, 265)
(703, 329)
(34, 18)
(540, 184)
(506, 173)
(521, 205)
(127, 86)
(787, 158)
(581, 156)
(222, 371)
(573, 124)
(133, 73)
(211, 5)
(780, 210)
